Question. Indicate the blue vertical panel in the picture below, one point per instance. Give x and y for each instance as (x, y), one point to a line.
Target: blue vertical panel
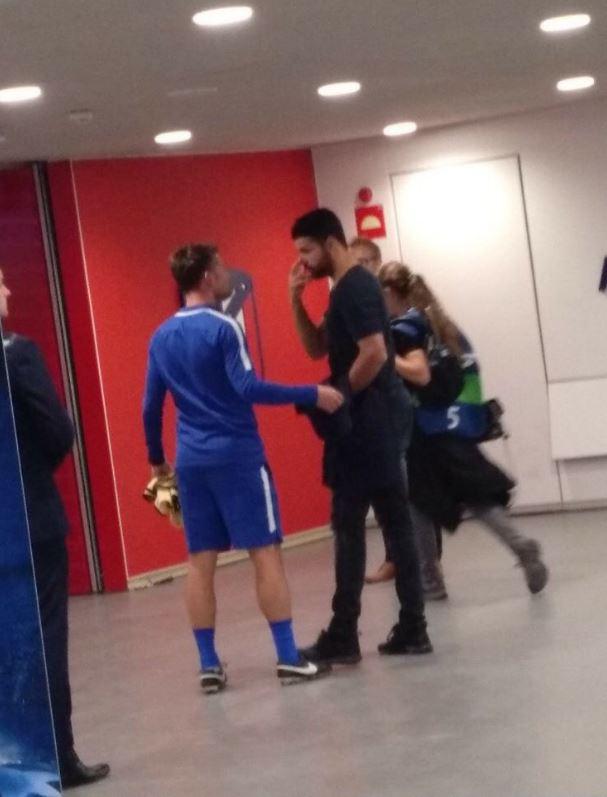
(28, 763)
(603, 283)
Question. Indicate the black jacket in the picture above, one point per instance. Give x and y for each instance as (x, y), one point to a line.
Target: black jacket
(45, 435)
(448, 474)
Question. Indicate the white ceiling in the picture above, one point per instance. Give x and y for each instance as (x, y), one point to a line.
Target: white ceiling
(438, 62)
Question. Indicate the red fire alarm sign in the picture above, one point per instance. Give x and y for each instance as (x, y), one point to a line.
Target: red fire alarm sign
(370, 222)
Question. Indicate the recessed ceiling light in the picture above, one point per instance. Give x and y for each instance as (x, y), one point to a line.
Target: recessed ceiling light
(565, 23)
(576, 83)
(217, 17)
(20, 94)
(201, 91)
(173, 137)
(81, 116)
(339, 89)
(400, 129)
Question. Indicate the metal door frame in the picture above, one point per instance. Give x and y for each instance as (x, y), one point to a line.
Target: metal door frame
(67, 369)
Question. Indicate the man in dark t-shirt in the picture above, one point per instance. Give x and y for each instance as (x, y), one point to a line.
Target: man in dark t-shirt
(362, 465)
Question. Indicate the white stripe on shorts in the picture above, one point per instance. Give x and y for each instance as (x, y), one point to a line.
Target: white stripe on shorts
(265, 478)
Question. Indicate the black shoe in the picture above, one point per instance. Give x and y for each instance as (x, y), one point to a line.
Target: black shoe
(333, 648)
(301, 672)
(74, 773)
(403, 641)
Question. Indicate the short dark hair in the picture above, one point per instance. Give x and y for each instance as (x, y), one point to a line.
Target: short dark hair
(190, 263)
(319, 224)
(371, 246)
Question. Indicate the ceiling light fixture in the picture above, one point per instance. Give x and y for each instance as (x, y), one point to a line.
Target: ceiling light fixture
(17, 94)
(173, 137)
(81, 116)
(565, 23)
(576, 83)
(201, 91)
(344, 89)
(400, 129)
(218, 17)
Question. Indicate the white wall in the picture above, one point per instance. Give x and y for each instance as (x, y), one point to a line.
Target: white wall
(464, 228)
(563, 154)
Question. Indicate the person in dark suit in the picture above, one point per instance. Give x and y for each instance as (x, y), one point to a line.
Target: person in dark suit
(45, 436)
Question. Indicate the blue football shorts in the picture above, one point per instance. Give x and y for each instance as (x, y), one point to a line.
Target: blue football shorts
(229, 506)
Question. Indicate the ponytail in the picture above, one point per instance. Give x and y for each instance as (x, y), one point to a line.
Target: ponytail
(414, 290)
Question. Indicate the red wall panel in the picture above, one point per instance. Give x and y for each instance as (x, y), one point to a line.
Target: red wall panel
(22, 258)
(88, 383)
(133, 213)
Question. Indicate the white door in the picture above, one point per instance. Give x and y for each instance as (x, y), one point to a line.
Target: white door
(463, 228)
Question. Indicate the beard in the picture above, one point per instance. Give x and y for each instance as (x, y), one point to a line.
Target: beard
(323, 269)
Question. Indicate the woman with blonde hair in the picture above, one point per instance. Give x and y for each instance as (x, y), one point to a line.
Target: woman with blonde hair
(448, 472)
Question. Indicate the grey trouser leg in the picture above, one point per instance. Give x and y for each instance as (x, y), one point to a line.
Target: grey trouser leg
(498, 520)
(425, 535)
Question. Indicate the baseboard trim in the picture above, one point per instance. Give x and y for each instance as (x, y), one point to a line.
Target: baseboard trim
(166, 574)
(551, 509)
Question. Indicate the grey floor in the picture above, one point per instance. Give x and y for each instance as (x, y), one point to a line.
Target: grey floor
(513, 702)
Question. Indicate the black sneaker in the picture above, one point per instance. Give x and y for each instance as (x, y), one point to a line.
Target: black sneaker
(333, 648)
(402, 641)
(301, 672)
(213, 680)
(536, 572)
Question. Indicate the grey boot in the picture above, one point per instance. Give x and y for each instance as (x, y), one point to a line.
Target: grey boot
(536, 572)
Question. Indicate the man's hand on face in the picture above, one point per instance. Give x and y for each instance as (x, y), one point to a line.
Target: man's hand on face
(298, 279)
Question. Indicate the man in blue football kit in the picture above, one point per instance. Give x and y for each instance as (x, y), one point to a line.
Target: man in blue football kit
(226, 488)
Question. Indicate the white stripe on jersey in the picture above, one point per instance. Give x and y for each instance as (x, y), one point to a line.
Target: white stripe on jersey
(244, 355)
(186, 313)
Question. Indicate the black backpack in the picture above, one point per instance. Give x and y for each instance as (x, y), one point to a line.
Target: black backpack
(495, 428)
(446, 377)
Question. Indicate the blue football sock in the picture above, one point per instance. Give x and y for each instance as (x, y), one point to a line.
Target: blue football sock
(284, 640)
(205, 639)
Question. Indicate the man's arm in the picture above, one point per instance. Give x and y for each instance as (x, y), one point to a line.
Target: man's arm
(33, 390)
(153, 408)
(241, 374)
(362, 308)
(312, 336)
(372, 355)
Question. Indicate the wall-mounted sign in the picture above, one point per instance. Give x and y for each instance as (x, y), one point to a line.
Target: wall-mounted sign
(370, 221)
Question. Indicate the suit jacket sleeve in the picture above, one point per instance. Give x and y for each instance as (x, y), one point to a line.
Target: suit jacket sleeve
(34, 392)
